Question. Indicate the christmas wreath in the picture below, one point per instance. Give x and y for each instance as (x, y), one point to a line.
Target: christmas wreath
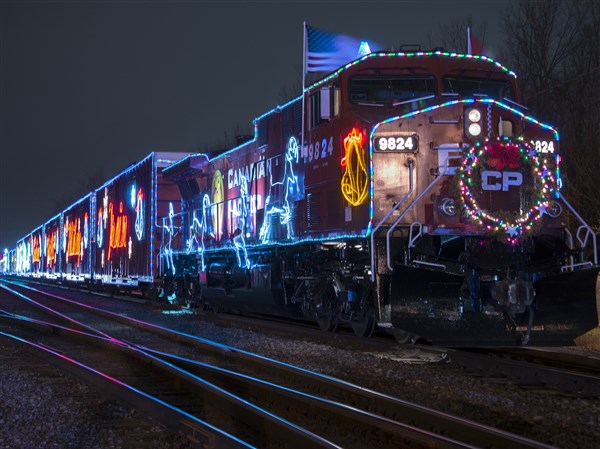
(499, 154)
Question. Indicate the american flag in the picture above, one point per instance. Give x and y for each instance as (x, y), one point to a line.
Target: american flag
(326, 52)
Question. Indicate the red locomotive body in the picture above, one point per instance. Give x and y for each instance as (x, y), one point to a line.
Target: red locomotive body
(421, 199)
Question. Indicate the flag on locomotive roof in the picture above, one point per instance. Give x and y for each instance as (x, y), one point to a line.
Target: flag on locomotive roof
(474, 45)
(328, 51)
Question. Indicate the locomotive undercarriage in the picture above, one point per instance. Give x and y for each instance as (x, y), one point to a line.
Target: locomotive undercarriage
(446, 290)
(333, 288)
(323, 282)
(472, 289)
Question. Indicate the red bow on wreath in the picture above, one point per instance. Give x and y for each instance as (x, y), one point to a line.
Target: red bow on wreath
(503, 155)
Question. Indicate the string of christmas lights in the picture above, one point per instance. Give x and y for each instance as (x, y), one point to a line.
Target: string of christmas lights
(500, 153)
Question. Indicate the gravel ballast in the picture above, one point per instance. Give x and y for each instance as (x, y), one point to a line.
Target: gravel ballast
(47, 409)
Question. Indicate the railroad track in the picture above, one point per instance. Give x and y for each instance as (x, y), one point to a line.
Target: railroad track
(550, 368)
(529, 367)
(229, 397)
(559, 369)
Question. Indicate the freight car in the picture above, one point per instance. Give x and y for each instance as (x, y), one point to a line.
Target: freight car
(126, 211)
(408, 191)
(109, 238)
(8, 261)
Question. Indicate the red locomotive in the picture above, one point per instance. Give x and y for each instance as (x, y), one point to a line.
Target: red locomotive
(410, 191)
(404, 191)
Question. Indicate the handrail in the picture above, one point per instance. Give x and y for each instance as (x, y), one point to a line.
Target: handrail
(570, 240)
(455, 121)
(566, 268)
(584, 225)
(411, 164)
(583, 241)
(430, 264)
(413, 238)
(439, 176)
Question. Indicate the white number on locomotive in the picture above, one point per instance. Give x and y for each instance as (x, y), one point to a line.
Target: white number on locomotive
(320, 150)
(409, 143)
(543, 146)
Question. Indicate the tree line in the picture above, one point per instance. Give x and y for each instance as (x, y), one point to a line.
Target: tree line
(554, 46)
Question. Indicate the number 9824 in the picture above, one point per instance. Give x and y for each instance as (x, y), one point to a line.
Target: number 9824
(393, 143)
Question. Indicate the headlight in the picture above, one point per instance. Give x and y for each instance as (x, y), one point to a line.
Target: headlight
(473, 118)
(474, 115)
(474, 129)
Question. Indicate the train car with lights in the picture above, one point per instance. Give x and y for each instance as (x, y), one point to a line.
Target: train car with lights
(109, 239)
(405, 191)
(8, 261)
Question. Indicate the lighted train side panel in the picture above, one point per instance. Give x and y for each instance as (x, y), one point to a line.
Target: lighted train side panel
(9, 261)
(23, 256)
(76, 240)
(53, 232)
(36, 245)
(29, 254)
(289, 193)
(125, 213)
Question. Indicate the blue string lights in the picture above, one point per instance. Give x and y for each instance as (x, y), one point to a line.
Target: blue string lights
(205, 224)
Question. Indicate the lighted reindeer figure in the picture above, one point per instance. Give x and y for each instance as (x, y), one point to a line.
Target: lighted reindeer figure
(290, 183)
(238, 236)
(171, 231)
(195, 228)
(204, 230)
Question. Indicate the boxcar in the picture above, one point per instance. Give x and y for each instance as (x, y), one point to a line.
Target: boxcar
(125, 214)
(76, 251)
(52, 247)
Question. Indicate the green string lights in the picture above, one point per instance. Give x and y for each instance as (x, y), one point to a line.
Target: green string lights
(487, 166)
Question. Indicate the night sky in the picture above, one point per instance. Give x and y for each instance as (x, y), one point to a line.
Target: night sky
(89, 87)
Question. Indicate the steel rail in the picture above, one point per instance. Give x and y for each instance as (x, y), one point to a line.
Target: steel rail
(418, 416)
(196, 431)
(528, 367)
(191, 371)
(286, 432)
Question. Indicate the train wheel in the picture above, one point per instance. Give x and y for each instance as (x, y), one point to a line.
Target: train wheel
(327, 323)
(364, 325)
(191, 294)
(404, 337)
(326, 313)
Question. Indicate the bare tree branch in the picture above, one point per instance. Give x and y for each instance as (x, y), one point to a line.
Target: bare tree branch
(554, 46)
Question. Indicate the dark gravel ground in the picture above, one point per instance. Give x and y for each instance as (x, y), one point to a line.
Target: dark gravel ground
(42, 408)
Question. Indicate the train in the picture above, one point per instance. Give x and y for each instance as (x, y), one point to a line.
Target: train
(109, 239)
(408, 192)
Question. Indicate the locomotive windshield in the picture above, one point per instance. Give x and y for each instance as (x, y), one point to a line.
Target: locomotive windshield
(390, 89)
(469, 87)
